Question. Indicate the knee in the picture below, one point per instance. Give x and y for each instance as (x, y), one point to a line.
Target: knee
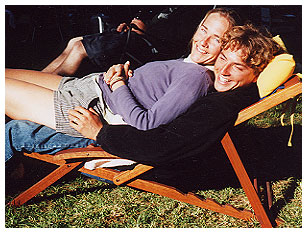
(74, 40)
(15, 128)
(78, 49)
(13, 140)
(12, 125)
(17, 131)
(20, 135)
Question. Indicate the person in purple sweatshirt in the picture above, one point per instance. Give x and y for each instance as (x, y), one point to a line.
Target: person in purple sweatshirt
(155, 94)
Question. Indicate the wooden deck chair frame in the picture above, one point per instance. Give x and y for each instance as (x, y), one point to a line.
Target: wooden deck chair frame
(69, 160)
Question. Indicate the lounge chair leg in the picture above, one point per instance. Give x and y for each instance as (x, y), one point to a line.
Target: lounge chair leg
(44, 183)
(245, 181)
(269, 194)
(256, 185)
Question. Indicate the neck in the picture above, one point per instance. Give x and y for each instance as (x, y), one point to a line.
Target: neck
(208, 66)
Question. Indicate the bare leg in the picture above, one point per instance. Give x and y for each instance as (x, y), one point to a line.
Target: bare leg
(26, 101)
(69, 61)
(60, 59)
(49, 81)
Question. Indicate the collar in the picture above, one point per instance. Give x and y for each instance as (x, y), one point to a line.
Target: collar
(189, 60)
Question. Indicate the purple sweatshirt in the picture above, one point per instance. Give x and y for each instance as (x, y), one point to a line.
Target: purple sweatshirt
(158, 92)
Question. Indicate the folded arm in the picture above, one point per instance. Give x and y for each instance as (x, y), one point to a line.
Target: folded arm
(178, 97)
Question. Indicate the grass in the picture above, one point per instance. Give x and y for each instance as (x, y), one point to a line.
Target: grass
(271, 118)
(87, 203)
(96, 204)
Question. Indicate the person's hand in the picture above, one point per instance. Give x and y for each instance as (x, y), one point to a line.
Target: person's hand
(118, 73)
(122, 27)
(120, 70)
(86, 122)
(140, 24)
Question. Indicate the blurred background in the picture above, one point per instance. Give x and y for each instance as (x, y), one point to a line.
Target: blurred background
(36, 34)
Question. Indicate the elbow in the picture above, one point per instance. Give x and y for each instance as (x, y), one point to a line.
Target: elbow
(144, 121)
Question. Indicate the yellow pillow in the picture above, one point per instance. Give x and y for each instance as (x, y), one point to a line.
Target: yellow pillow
(279, 41)
(275, 74)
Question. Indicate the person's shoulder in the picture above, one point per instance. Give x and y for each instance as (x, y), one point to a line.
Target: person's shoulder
(239, 96)
(195, 69)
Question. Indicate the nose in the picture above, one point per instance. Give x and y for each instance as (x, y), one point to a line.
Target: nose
(205, 41)
(225, 70)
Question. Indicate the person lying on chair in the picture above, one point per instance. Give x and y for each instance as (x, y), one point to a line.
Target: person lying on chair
(101, 49)
(245, 53)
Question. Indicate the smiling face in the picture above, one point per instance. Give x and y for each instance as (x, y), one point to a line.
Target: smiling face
(206, 43)
(231, 71)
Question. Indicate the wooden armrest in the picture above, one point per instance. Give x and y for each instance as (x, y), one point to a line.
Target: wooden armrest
(98, 152)
(88, 152)
(293, 87)
(130, 174)
(45, 157)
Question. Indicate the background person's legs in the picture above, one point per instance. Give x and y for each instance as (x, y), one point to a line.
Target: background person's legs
(70, 59)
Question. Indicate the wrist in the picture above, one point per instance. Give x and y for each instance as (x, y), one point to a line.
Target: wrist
(96, 135)
(117, 84)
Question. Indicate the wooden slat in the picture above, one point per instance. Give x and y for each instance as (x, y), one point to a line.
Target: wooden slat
(171, 192)
(46, 158)
(292, 88)
(44, 183)
(92, 152)
(245, 181)
(130, 174)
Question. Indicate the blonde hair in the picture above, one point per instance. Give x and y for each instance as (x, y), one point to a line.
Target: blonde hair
(232, 17)
(258, 49)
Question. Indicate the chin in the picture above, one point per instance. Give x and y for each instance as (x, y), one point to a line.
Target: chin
(222, 88)
(201, 59)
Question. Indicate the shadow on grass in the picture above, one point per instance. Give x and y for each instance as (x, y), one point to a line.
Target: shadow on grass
(36, 170)
(59, 195)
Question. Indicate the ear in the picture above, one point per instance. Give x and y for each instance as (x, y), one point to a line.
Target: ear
(255, 79)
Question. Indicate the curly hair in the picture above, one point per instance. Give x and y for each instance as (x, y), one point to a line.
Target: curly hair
(258, 49)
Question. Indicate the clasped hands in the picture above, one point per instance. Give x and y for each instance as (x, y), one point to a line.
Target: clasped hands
(87, 122)
(117, 75)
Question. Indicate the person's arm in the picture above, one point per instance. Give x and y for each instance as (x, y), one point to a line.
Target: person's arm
(86, 122)
(204, 124)
(177, 99)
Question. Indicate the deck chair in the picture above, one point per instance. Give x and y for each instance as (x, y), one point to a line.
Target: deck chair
(71, 159)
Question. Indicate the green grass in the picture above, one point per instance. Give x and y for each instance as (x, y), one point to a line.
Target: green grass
(96, 204)
(271, 118)
(88, 203)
